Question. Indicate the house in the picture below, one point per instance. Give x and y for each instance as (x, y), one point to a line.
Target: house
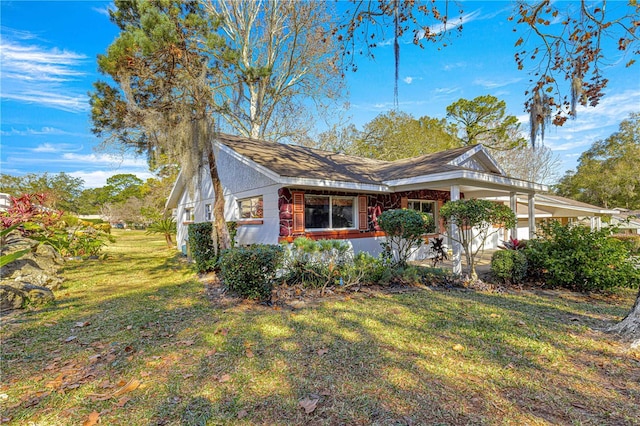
(555, 207)
(278, 192)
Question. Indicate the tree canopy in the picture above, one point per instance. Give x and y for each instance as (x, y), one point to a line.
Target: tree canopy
(608, 173)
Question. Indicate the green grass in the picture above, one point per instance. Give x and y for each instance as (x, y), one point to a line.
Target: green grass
(423, 357)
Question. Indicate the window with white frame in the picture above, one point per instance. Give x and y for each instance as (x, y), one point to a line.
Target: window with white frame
(208, 213)
(189, 214)
(424, 206)
(251, 208)
(329, 212)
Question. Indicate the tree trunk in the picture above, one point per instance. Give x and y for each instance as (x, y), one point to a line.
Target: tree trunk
(219, 224)
(629, 327)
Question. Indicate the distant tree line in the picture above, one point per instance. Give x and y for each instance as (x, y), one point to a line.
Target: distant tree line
(125, 197)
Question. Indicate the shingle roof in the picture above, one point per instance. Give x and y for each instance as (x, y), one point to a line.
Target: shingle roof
(302, 162)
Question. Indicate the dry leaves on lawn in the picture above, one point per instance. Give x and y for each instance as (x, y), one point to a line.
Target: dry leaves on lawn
(131, 385)
(309, 404)
(92, 419)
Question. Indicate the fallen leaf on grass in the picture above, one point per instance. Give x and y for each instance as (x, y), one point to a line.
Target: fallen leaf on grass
(81, 324)
(249, 353)
(323, 351)
(521, 323)
(211, 352)
(92, 419)
(123, 401)
(224, 378)
(309, 405)
(494, 316)
(70, 339)
(131, 385)
(458, 347)
(242, 414)
(223, 331)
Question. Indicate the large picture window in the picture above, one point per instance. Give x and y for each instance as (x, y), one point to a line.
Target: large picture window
(251, 208)
(329, 212)
(424, 206)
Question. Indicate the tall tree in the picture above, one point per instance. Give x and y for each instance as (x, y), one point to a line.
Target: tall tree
(164, 102)
(537, 164)
(395, 135)
(484, 120)
(280, 66)
(123, 186)
(608, 173)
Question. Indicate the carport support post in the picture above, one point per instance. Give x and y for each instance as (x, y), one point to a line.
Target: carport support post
(513, 204)
(455, 245)
(531, 213)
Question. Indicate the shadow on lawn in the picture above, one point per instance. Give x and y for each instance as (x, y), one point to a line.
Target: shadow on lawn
(369, 360)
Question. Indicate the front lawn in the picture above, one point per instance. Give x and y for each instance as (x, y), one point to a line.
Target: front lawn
(134, 340)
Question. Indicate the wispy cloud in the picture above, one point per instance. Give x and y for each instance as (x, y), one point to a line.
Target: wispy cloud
(35, 74)
(408, 79)
(29, 132)
(106, 159)
(493, 84)
(446, 90)
(102, 10)
(454, 65)
(56, 148)
(453, 23)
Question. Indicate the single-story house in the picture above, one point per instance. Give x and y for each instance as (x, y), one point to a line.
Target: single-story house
(277, 192)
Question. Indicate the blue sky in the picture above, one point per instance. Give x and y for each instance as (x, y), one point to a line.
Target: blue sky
(48, 52)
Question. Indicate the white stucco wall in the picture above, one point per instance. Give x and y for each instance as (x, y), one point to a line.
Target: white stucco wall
(239, 181)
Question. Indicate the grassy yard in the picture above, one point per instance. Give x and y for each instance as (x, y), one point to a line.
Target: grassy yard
(134, 340)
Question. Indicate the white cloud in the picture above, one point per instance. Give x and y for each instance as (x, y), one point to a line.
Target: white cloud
(54, 148)
(453, 23)
(408, 79)
(106, 159)
(446, 90)
(454, 65)
(29, 131)
(490, 84)
(102, 10)
(40, 75)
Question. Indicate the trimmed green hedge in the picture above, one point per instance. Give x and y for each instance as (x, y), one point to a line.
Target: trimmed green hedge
(509, 266)
(202, 248)
(250, 271)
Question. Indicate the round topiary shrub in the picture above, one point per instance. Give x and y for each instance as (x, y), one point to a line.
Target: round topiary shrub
(250, 271)
(509, 266)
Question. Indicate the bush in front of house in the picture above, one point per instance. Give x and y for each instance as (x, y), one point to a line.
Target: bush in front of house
(509, 266)
(250, 271)
(405, 229)
(202, 249)
(316, 264)
(631, 240)
(577, 258)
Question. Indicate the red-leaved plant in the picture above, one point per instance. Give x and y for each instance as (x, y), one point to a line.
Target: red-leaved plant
(514, 244)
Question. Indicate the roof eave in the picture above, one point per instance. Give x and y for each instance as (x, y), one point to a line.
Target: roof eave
(471, 177)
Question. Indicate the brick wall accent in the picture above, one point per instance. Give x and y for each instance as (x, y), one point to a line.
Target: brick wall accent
(376, 204)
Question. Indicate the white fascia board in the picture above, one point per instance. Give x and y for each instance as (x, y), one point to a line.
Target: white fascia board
(176, 193)
(575, 208)
(477, 179)
(249, 163)
(475, 150)
(333, 184)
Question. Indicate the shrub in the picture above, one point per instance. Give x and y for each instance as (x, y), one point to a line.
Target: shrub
(365, 269)
(414, 275)
(166, 227)
(577, 258)
(201, 246)
(250, 271)
(509, 266)
(203, 250)
(405, 229)
(632, 241)
(316, 264)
